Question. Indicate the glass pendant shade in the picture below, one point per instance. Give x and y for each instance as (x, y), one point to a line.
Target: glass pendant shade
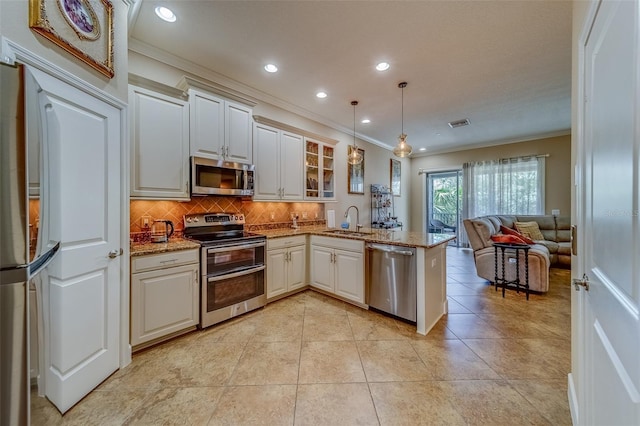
(354, 156)
(403, 149)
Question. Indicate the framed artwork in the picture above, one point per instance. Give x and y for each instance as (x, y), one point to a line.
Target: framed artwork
(395, 175)
(83, 28)
(355, 174)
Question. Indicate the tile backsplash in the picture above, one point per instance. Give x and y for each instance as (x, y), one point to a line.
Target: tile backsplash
(255, 212)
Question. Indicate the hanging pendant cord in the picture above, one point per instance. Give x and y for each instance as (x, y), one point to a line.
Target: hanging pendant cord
(354, 103)
(402, 109)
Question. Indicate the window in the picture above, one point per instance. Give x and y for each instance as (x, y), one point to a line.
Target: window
(512, 186)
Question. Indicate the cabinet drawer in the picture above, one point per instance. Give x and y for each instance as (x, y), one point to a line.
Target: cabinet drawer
(276, 243)
(164, 260)
(338, 243)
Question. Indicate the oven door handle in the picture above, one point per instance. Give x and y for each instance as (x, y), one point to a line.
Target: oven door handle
(238, 247)
(235, 274)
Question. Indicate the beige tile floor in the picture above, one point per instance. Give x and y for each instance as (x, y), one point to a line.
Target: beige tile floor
(313, 360)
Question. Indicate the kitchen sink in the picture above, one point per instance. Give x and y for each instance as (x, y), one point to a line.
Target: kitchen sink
(348, 232)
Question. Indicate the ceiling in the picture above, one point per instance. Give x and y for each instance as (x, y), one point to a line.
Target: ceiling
(504, 65)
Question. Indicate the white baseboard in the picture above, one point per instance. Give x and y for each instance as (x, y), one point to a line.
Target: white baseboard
(573, 400)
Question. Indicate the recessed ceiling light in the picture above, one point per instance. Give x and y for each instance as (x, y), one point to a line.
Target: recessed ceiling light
(165, 14)
(366, 121)
(422, 149)
(383, 66)
(270, 68)
(321, 95)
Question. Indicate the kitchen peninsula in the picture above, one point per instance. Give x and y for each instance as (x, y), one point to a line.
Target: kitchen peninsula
(430, 263)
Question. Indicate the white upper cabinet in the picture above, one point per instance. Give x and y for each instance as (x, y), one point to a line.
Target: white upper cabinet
(238, 140)
(278, 163)
(159, 144)
(221, 128)
(207, 124)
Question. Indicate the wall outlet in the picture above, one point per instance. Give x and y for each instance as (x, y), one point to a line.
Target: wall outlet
(272, 215)
(145, 221)
(555, 212)
(433, 263)
(304, 215)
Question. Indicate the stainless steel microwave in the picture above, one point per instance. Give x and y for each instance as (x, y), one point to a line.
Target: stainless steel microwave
(217, 177)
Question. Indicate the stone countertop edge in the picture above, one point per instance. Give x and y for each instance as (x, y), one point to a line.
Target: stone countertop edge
(379, 236)
(174, 244)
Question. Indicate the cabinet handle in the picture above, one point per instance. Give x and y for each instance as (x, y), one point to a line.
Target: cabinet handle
(195, 277)
(169, 261)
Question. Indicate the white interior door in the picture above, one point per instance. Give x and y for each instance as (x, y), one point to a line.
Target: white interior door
(607, 324)
(81, 304)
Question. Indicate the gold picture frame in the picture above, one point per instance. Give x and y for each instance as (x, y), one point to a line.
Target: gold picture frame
(355, 174)
(395, 176)
(83, 28)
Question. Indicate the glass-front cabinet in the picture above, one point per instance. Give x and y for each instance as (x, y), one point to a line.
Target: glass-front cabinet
(319, 182)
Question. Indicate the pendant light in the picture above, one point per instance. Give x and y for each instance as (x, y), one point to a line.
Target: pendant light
(354, 157)
(403, 149)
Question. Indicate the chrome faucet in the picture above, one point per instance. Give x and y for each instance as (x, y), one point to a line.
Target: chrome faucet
(358, 225)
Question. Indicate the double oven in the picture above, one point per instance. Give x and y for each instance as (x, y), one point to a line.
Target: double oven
(232, 264)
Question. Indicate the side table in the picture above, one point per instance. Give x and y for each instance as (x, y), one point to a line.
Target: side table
(502, 279)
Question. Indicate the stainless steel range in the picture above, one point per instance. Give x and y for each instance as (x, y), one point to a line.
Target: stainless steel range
(232, 265)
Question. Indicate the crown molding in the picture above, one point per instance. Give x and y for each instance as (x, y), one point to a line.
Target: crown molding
(283, 126)
(488, 144)
(235, 86)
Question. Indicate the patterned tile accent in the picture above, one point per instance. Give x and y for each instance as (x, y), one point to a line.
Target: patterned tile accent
(255, 213)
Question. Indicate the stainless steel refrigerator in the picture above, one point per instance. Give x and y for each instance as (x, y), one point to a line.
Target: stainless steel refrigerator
(28, 228)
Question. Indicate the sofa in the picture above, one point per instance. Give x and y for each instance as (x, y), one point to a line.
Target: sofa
(554, 250)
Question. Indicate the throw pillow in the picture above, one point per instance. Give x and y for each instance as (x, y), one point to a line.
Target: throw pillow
(529, 229)
(509, 231)
(509, 239)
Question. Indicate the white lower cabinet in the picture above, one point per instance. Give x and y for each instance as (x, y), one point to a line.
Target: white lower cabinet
(164, 295)
(286, 265)
(337, 266)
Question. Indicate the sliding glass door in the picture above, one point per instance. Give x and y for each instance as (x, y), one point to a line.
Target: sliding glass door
(444, 202)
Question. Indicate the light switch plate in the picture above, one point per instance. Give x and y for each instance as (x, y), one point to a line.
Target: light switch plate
(145, 221)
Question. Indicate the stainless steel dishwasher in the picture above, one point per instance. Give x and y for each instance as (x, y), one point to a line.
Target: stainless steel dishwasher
(391, 280)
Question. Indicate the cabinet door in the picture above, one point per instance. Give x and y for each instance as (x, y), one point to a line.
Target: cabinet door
(322, 268)
(276, 272)
(296, 267)
(159, 145)
(291, 172)
(206, 124)
(349, 275)
(163, 301)
(327, 172)
(312, 162)
(238, 137)
(267, 148)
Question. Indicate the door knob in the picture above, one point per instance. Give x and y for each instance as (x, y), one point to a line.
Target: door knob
(115, 253)
(581, 282)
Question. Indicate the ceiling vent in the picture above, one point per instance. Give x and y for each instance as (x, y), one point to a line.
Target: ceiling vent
(459, 123)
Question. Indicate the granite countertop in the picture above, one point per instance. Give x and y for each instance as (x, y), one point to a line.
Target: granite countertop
(381, 236)
(174, 244)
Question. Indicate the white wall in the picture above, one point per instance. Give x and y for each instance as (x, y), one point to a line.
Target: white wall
(377, 164)
(14, 25)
